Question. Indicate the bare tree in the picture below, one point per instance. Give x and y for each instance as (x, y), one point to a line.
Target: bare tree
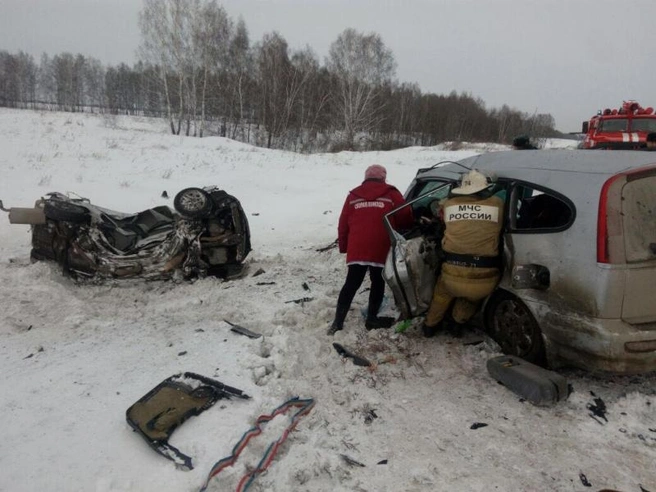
(63, 69)
(362, 64)
(212, 38)
(306, 97)
(188, 41)
(273, 66)
(159, 44)
(239, 75)
(13, 79)
(94, 82)
(18, 79)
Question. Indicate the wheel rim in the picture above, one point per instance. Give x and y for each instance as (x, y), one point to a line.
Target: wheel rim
(193, 200)
(514, 328)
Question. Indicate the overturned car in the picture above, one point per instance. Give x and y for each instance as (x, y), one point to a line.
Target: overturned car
(206, 234)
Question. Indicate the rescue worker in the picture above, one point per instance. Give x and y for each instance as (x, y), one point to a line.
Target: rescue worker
(651, 141)
(523, 142)
(473, 218)
(364, 239)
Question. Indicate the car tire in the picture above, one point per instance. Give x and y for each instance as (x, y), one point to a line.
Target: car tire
(65, 211)
(193, 203)
(511, 324)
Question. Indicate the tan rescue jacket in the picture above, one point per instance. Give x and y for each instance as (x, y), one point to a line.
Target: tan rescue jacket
(473, 225)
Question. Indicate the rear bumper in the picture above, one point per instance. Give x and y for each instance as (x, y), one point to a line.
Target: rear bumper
(597, 344)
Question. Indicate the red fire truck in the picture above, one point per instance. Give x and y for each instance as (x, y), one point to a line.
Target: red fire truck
(623, 128)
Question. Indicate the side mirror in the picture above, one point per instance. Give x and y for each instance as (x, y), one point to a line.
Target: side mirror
(2, 207)
(585, 126)
(530, 277)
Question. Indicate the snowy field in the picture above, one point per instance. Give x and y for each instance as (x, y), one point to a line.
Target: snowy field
(75, 357)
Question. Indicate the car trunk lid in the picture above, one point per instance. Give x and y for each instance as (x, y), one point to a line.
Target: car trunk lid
(638, 210)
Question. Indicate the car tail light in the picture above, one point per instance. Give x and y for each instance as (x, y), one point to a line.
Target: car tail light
(603, 253)
(608, 221)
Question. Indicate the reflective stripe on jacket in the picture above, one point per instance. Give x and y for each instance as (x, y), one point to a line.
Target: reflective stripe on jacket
(361, 230)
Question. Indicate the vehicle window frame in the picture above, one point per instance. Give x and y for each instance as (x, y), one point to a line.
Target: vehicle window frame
(414, 192)
(638, 122)
(394, 235)
(511, 206)
(609, 122)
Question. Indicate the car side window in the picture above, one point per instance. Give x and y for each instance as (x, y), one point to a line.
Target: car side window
(533, 209)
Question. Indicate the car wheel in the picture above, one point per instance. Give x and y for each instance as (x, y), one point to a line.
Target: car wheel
(511, 324)
(65, 211)
(193, 202)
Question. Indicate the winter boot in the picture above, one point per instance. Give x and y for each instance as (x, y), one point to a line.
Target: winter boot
(454, 328)
(373, 323)
(338, 322)
(429, 331)
(334, 328)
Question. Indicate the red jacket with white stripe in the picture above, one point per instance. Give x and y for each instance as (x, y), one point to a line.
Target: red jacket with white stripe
(361, 230)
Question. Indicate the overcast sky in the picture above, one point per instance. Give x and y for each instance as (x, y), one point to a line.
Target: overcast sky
(563, 57)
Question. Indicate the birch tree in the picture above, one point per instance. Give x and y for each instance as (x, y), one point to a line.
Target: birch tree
(239, 75)
(273, 67)
(362, 64)
(159, 22)
(212, 37)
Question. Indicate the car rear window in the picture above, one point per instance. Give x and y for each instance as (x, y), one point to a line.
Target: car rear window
(639, 218)
(537, 209)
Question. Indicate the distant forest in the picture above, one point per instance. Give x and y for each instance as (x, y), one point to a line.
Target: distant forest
(199, 69)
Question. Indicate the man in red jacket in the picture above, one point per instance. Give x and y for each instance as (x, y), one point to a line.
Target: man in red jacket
(364, 239)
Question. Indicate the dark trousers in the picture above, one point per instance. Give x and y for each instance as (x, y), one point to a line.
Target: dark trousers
(354, 279)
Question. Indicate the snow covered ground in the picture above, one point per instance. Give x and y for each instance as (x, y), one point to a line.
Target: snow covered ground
(75, 357)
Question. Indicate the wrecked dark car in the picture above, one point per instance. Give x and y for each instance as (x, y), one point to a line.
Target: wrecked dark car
(206, 234)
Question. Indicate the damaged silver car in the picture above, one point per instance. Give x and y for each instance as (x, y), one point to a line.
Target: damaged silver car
(206, 234)
(579, 255)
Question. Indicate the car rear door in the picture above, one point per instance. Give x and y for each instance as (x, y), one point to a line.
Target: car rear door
(537, 239)
(638, 205)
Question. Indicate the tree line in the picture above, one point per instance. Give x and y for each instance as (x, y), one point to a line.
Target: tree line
(198, 69)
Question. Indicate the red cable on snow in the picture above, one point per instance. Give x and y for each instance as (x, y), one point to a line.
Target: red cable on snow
(304, 406)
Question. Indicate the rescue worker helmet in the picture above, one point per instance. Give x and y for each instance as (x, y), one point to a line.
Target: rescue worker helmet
(471, 183)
